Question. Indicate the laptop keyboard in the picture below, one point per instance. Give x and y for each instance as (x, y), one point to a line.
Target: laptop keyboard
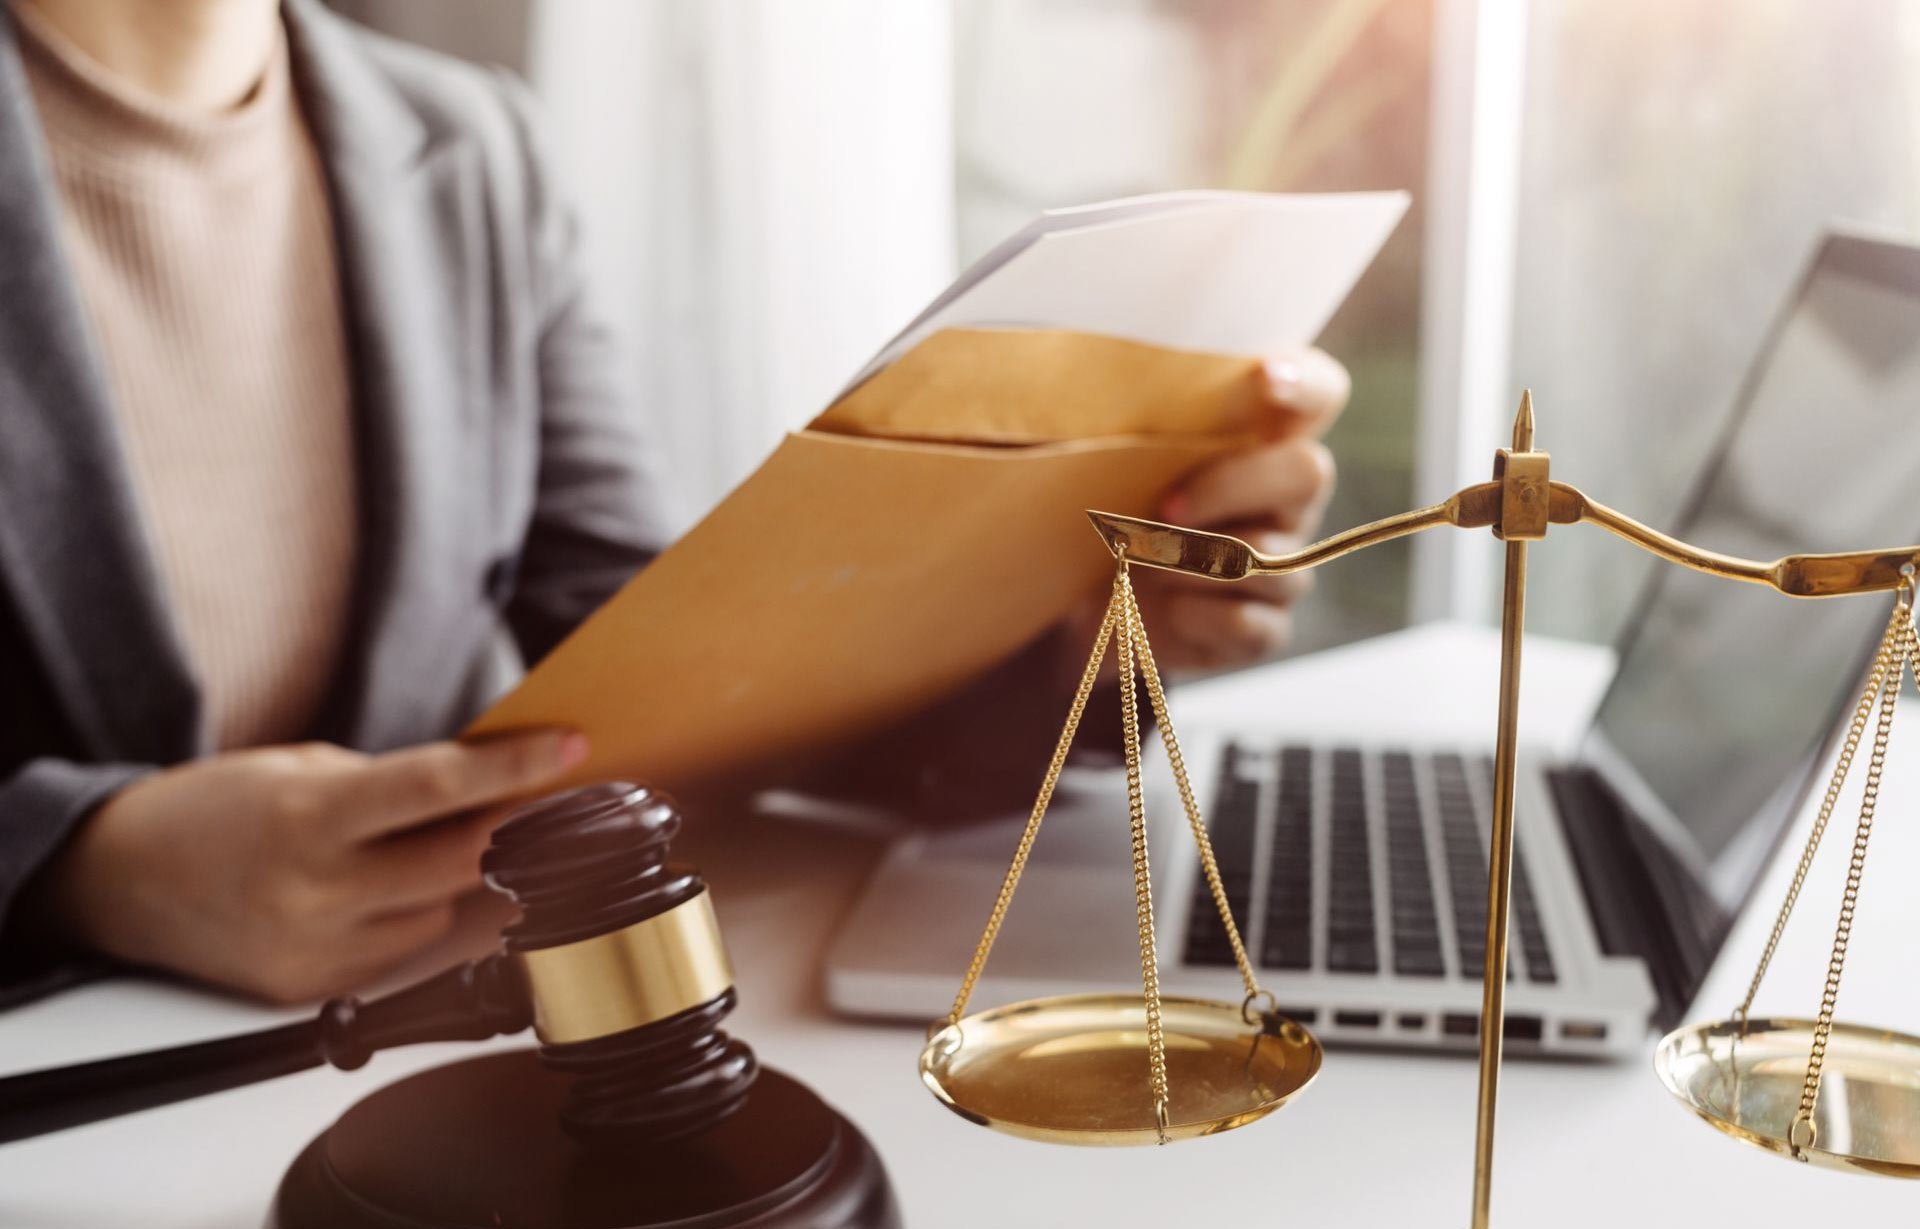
(1284, 910)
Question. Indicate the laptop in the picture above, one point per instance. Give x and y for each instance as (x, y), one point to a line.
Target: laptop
(1357, 869)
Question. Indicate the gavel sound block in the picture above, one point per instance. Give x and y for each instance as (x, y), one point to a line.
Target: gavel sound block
(636, 1112)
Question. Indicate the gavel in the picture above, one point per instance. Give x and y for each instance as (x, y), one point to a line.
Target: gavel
(638, 1109)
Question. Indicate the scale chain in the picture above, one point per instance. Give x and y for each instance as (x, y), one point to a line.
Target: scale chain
(1142, 876)
(1025, 848)
(1804, 1132)
(1894, 661)
(1884, 662)
(1156, 694)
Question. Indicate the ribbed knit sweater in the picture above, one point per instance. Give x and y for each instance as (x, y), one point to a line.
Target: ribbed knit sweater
(202, 247)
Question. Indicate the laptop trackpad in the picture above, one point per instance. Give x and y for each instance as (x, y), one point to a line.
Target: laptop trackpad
(1071, 923)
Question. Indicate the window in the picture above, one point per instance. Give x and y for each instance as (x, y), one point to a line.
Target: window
(1680, 162)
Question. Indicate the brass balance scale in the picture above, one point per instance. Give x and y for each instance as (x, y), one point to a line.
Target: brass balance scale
(1106, 1069)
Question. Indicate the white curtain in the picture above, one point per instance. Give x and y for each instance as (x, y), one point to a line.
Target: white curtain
(768, 193)
(767, 187)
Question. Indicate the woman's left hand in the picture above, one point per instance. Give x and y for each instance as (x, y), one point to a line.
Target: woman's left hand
(1272, 496)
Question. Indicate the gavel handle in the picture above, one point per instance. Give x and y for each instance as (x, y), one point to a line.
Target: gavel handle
(469, 1002)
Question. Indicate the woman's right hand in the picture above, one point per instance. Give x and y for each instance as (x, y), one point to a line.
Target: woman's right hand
(293, 872)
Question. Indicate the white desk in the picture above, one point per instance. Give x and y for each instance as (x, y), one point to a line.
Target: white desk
(1381, 1139)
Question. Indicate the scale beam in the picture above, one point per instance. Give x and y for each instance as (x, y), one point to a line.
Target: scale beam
(1220, 556)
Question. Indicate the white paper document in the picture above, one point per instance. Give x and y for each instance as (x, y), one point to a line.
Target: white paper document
(1225, 272)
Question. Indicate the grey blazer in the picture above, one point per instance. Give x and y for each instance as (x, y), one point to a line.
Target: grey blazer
(505, 480)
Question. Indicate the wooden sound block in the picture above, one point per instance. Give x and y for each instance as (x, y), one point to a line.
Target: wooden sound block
(477, 1145)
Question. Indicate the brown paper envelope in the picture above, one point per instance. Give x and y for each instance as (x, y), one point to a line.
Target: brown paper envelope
(847, 583)
(853, 579)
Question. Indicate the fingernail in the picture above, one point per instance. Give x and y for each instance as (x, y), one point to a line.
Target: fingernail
(573, 750)
(1270, 627)
(1175, 507)
(1284, 380)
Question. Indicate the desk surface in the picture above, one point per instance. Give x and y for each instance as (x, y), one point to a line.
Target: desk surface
(1381, 1139)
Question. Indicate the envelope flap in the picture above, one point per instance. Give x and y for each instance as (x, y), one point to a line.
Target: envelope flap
(1030, 386)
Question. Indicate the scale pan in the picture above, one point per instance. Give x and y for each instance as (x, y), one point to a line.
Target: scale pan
(1073, 1069)
(1867, 1117)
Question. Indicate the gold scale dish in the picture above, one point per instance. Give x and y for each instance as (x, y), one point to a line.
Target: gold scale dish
(1867, 1117)
(1068, 1070)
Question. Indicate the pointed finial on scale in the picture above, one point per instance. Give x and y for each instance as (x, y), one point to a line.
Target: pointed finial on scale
(1523, 423)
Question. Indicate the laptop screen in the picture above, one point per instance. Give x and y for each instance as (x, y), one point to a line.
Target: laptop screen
(1726, 692)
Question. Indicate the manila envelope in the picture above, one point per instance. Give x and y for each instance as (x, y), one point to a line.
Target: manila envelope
(924, 528)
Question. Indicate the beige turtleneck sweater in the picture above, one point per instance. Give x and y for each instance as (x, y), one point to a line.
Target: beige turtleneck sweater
(203, 250)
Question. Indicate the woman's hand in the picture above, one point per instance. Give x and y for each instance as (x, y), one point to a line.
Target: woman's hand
(292, 872)
(1272, 496)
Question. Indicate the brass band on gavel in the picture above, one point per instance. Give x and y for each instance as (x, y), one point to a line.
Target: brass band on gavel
(640, 974)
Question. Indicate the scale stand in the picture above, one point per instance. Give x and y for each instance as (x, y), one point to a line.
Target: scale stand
(1131, 1069)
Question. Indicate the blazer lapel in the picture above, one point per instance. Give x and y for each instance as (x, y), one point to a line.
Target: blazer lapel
(74, 558)
(405, 270)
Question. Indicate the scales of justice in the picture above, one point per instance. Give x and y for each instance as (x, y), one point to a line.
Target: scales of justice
(1141, 1068)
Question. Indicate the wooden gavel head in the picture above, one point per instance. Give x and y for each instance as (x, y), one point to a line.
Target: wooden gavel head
(623, 965)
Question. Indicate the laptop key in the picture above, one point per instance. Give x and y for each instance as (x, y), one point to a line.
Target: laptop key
(1351, 943)
(1419, 964)
(1352, 956)
(1231, 832)
(1465, 857)
(1277, 953)
(1287, 938)
(1416, 928)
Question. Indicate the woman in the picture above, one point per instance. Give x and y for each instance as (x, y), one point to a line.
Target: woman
(304, 408)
